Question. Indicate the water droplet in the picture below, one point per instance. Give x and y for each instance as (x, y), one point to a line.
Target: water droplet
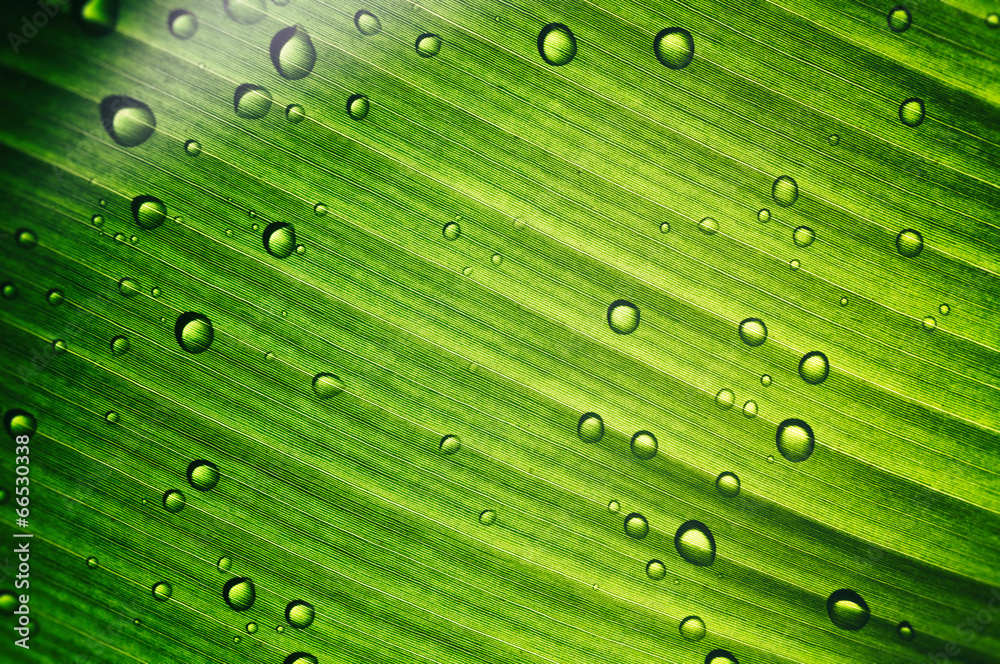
(129, 287)
(183, 24)
(239, 593)
(693, 628)
(753, 332)
(149, 212)
(674, 47)
(192, 147)
(770, 459)
(497, 259)
(814, 367)
(725, 399)
(224, 564)
(134, 239)
(590, 428)
(120, 345)
(944, 309)
(162, 591)
(279, 239)
(556, 44)
(292, 53)
(795, 440)
(301, 658)
(251, 628)
(174, 501)
(367, 23)
(428, 45)
(251, 101)
(644, 445)
(720, 656)
(137, 622)
(664, 227)
(450, 444)
(750, 409)
(899, 19)
(246, 12)
(92, 563)
(59, 346)
(613, 506)
(785, 191)
(695, 543)
(55, 297)
(26, 239)
(728, 484)
(202, 475)
(905, 631)
(794, 264)
(656, 570)
(992, 20)
(236, 639)
(111, 417)
(155, 291)
(280, 629)
(912, 111)
(300, 614)
(909, 243)
(636, 526)
(803, 236)
(844, 301)
(764, 216)
(467, 271)
(326, 385)
(451, 230)
(623, 317)
(128, 121)
(97, 220)
(194, 332)
(96, 17)
(847, 610)
(929, 323)
(10, 290)
(320, 210)
(487, 517)
(708, 226)
(833, 139)
(101, 201)
(300, 249)
(295, 113)
(357, 106)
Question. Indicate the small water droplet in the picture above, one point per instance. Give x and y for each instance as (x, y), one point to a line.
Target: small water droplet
(844, 301)
(664, 227)
(720, 656)
(708, 226)
(134, 239)
(194, 332)
(613, 506)
(428, 45)
(497, 259)
(59, 346)
(183, 24)
(137, 622)
(251, 101)
(450, 444)
(295, 113)
(236, 639)
(202, 475)
(270, 357)
(636, 526)
(97, 220)
(899, 19)
(103, 203)
(280, 629)
(728, 484)
(814, 367)
(693, 628)
(785, 191)
(833, 139)
(120, 345)
(992, 20)
(725, 399)
(847, 610)
(930, 323)
(129, 287)
(292, 53)
(944, 309)
(590, 428)
(279, 239)
(19, 422)
(770, 459)
(26, 239)
(905, 631)
(300, 614)
(162, 590)
(909, 243)
(451, 230)
(912, 112)
(750, 409)
(92, 563)
(10, 290)
(128, 121)
(55, 297)
(239, 593)
(155, 291)
(111, 417)
(246, 12)
(300, 658)
(192, 147)
(357, 106)
(803, 236)
(674, 47)
(174, 501)
(300, 249)
(254, 227)
(795, 440)
(695, 543)
(326, 385)
(556, 44)
(764, 216)
(467, 271)
(644, 445)
(794, 264)
(367, 23)
(320, 209)
(753, 332)
(656, 570)
(224, 564)
(251, 628)
(623, 317)
(96, 17)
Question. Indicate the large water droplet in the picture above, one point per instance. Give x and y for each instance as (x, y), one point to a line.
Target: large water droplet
(905, 631)
(428, 45)
(753, 332)
(326, 385)
(795, 440)
(203, 475)
(613, 506)
(120, 345)
(487, 517)
(899, 19)
(785, 191)
(725, 399)
(279, 239)
(636, 526)
(450, 444)
(764, 216)
(129, 287)
(19, 422)
(251, 101)
(246, 12)
(644, 445)
(239, 593)
(451, 230)
(300, 614)
(149, 212)
(623, 317)
(162, 590)
(911, 112)
(174, 501)
(847, 610)
(656, 570)
(909, 243)
(224, 564)
(708, 226)
(944, 309)
(357, 106)
(194, 332)
(720, 656)
(556, 44)
(750, 409)
(97, 17)
(128, 121)
(814, 367)
(728, 484)
(695, 543)
(367, 23)
(183, 24)
(301, 658)
(803, 236)
(674, 47)
(590, 428)
(293, 53)
(929, 323)
(693, 628)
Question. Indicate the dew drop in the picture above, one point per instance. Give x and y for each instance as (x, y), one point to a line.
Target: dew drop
(664, 227)
(202, 475)
(128, 121)
(750, 409)
(803, 236)
(720, 656)
(155, 291)
(239, 593)
(357, 106)
(162, 591)
(613, 506)
(26, 239)
(764, 216)
(753, 332)
(794, 264)
(300, 614)
(590, 428)
(944, 309)
(97, 220)
(367, 23)
(300, 658)
(844, 301)
(450, 444)
(909, 243)
(451, 230)
(814, 367)
(497, 259)
(59, 346)
(725, 399)
(911, 112)
(10, 290)
(292, 53)
(295, 113)
(847, 610)
(320, 210)
(899, 19)
(174, 501)
(120, 345)
(280, 629)
(636, 526)
(905, 631)
(129, 287)
(656, 570)
(326, 385)
(785, 191)
(623, 317)
(930, 323)
(224, 564)
(795, 440)
(644, 445)
(245, 12)
(708, 226)
(192, 147)
(279, 239)
(770, 459)
(695, 543)
(194, 332)
(19, 422)
(556, 44)
(111, 417)
(992, 20)
(149, 212)
(693, 628)
(728, 484)
(251, 101)
(183, 24)
(833, 139)
(300, 249)
(674, 47)
(251, 628)
(96, 17)
(487, 517)
(55, 297)
(428, 45)
(93, 563)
